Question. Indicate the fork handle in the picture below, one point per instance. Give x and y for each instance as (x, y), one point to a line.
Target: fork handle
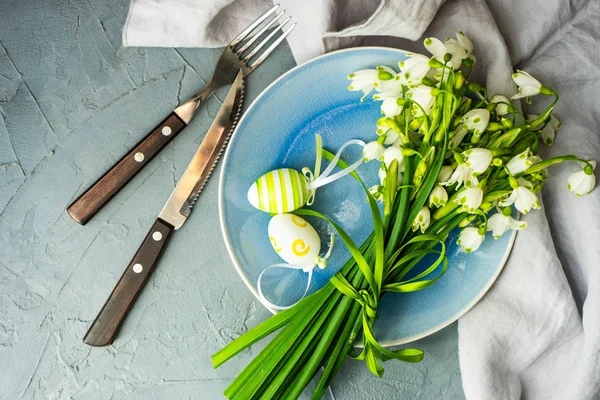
(95, 197)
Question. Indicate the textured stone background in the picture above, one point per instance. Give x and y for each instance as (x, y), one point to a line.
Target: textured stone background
(72, 101)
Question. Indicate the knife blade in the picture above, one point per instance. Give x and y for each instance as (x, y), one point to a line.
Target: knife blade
(173, 215)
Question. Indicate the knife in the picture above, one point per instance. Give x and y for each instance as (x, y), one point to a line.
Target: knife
(173, 215)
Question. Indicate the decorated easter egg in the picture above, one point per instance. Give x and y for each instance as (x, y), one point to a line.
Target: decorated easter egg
(294, 239)
(279, 191)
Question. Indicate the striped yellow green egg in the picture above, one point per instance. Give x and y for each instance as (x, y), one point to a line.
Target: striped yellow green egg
(279, 191)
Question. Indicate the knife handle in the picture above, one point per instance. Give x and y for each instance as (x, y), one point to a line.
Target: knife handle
(106, 325)
(93, 199)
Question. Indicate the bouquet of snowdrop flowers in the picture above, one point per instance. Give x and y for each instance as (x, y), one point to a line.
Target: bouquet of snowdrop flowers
(491, 159)
(451, 156)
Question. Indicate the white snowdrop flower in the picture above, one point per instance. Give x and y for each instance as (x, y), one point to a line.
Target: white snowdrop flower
(387, 80)
(499, 224)
(470, 199)
(478, 159)
(413, 69)
(390, 107)
(470, 239)
(373, 151)
(523, 199)
(458, 137)
(422, 96)
(476, 120)
(462, 174)
(376, 191)
(394, 153)
(363, 80)
(527, 85)
(459, 49)
(422, 220)
(438, 197)
(445, 173)
(502, 104)
(391, 137)
(465, 42)
(521, 162)
(583, 181)
(548, 133)
(525, 183)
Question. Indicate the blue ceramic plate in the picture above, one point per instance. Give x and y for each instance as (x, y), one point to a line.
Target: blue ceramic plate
(278, 131)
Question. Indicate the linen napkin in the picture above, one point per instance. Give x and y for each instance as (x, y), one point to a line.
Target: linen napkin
(536, 333)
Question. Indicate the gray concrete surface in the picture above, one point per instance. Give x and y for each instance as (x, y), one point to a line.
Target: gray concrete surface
(72, 101)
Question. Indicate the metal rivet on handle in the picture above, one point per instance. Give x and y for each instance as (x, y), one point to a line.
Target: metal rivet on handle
(157, 236)
(139, 157)
(137, 268)
(166, 130)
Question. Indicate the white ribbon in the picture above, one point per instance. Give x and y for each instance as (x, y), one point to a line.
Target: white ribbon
(321, 262)
(317, 180)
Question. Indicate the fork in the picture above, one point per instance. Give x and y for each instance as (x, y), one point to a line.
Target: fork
(239, 55)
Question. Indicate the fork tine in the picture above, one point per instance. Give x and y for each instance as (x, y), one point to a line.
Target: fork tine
(272, 47)
(259, 33)
(265, 40)
(249, 29)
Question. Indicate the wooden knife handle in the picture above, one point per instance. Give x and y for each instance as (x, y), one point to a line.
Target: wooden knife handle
(93, 199)
(107, 323)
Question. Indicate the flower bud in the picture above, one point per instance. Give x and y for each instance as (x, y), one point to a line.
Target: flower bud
(414, 124)
(474, 87)
(409, 152)
(466, 221)
(467, 62)
(433, 63)
(427, 81)
(460, 80)
(506, 122)
(546, 91)
(383, 75)
(494, 126)
(447, 57)
(497, 161)
(486, 206)
(391, 122)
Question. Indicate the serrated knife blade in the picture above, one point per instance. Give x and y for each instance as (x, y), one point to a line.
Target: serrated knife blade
(175, 212)
(180, 204)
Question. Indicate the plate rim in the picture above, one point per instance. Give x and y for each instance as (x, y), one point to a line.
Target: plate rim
(229, 246)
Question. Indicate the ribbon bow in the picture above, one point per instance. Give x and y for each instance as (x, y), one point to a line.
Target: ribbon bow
(320, 262)
(317, 179)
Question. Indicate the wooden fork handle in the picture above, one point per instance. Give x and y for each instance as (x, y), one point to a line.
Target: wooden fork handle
(95, 197)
